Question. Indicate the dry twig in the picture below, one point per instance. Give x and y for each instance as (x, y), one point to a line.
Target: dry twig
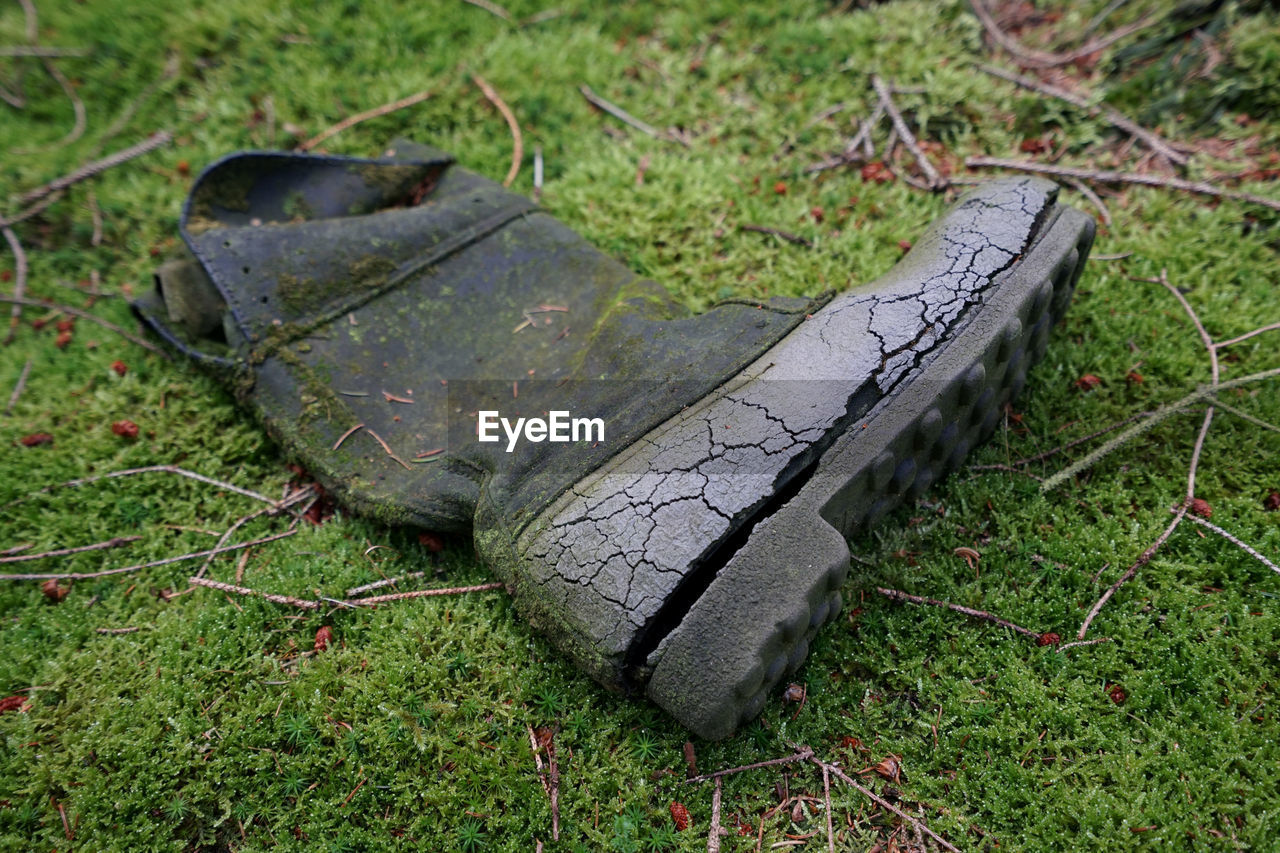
(88, 170)
(885, 804)
(18, 386)
(85, 315)
(898, 595)
(935, 181)
(275, 508)
(364, 116)
(117, 631)
(1029, 57)
(517, 140)
(354, 591)
(1111, 177)
(421, 593)
(305, 604)
(64, 552)
(157, 469)
(19, 285)
(166, 561)
(1118, 120)
(1143, 559)
(802, 753)
(1203, 522)
(713, 835)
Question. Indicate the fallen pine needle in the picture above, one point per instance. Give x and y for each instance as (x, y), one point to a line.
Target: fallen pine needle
(387, 448)
(117, 630)
(347, 435)
(517, 152)
(364, 116)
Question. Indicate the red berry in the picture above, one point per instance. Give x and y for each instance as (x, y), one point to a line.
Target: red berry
(125, 429)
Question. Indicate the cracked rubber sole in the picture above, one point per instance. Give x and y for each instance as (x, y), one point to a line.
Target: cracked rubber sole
(698, 565)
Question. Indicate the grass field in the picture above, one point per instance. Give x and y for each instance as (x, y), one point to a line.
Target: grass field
(207, 729)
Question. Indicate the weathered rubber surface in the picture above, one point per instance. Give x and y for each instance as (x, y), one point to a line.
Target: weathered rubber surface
(680, 565)
(693, 555)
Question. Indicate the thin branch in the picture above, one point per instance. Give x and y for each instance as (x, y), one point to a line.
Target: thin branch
(195, 556)
(898, 595)
(1143, 559)
(1112, 177)
(160, 469)
(369, 587)
(364, 116)
(1240, 413)
(296, 498)
(117, 631)
(1077, 643)
(517, 151)
(171, 68)
(88, 170)
(1117, 119)
(801, 754)
(885, 804)
(1030, 57)
(1040, 457)
(1235, 541)
(19, 284)
(1214, 372)
(826, 798)
(713, 834)
(1094, 199)
(34, 210)
(422, 593)
(935, 180)
(93, 318)
(1269, 328)
(63, 552)
(305, 604)
(1156, 417)
(77, 107)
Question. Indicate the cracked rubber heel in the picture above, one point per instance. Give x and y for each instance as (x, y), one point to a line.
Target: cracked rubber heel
(698, 565)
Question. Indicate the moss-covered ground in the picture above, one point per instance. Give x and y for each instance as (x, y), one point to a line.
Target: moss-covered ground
(204, 729)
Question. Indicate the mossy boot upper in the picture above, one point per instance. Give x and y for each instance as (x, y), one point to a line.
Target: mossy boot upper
(692, 552)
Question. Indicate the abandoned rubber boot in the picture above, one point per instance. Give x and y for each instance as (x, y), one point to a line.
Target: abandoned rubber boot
(382, 316)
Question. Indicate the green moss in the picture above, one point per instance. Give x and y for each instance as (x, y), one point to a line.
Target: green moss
(204, 730)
